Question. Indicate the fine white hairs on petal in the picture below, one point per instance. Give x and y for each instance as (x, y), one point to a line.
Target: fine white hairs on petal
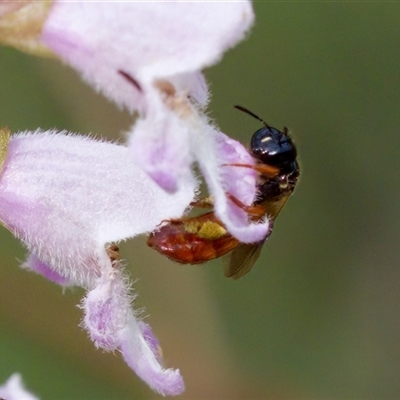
(214, 152)
(160, 142)
(33, 263)
(112, 325)
(106, 306)
(66, 196)
(125, 49)
(139, 355)
(148, 41)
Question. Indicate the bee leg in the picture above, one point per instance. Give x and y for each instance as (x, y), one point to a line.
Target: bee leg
(264, 169)
(206, 202)
(254, 211)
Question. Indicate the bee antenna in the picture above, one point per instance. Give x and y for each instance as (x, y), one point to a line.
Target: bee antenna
(252, 114)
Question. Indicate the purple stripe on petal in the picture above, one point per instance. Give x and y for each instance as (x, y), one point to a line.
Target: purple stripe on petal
(151, 340)
(35, 264)
(139, 356)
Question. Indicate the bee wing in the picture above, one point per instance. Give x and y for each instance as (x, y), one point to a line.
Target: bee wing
(243, 259)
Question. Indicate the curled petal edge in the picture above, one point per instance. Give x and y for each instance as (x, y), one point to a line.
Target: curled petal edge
(215, 152)
(112, 325)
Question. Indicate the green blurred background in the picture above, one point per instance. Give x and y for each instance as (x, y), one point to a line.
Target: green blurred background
(318, 317)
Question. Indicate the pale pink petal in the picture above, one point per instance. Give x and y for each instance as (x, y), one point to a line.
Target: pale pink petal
(14, 389)
(145, 39)
(215, 151)
(67, 196)
(151, 340)
(160, 146)
(194, 84)
(112, 325)
(106, 307)
(33, 263)
(167, 382)
(168, 42)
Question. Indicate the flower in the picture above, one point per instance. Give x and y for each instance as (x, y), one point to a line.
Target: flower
(14, 389)
(68, 198)
(147, 58)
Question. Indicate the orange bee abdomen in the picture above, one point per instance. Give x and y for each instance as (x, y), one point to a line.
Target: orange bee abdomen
(194, 240)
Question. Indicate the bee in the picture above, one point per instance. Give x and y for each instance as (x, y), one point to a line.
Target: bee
(195, 240)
